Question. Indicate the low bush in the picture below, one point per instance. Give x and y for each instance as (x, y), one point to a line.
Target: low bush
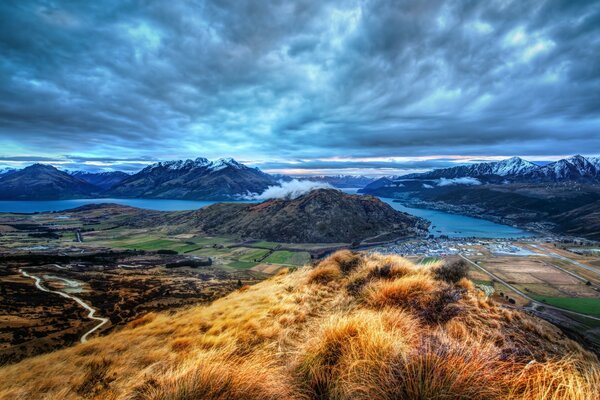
(452, 271)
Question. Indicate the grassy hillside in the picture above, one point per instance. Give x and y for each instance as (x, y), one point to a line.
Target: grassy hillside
(354, 327)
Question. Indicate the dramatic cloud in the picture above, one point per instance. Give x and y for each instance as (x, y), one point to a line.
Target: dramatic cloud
(315, 81)
(289, 190)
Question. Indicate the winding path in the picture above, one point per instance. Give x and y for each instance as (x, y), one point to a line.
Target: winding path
(90, 309)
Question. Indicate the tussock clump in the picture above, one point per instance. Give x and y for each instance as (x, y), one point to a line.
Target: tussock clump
(452, 271)
(324, 273)
(349, 349)
(346, 260)
(141, 321)
(211, 377)
(335, 266)
(410, 291)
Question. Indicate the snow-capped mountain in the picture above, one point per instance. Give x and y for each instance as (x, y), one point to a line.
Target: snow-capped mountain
(198, 163)
(199, 179)
(104, 180)
(515, 169)
(512, 167)
(572, 168)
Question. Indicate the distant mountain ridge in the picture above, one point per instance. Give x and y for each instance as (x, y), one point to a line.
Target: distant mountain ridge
(547, 197)
(514, 169)
(103, 180)
(341, 181)
(43, 182)
(199, 179)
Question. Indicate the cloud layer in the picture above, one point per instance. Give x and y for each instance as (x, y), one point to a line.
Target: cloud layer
(459, 181)
(289, 190)
(303, 80)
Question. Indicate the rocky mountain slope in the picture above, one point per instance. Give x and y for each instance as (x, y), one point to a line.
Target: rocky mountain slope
(354, 327)
(42, 182)
(103, 180)
(198, 179)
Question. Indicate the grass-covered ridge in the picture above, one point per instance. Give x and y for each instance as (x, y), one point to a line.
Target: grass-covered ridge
(353, 327)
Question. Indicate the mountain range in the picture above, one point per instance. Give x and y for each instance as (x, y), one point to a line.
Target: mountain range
(514, 191)
(103, 180)
(516, 169)
(198, 179)
(43, 182)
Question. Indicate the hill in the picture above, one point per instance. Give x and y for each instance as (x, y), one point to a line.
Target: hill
(198, 179)
(41, 182)
(353, 327)
(320, 216)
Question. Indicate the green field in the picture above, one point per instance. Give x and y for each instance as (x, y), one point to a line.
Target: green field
(289, 257)
(266, 245)
(589, 306)
(241, 264)
(253, 255)
(429, 260)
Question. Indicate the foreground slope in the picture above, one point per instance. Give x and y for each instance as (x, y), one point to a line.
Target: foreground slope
(354, 327)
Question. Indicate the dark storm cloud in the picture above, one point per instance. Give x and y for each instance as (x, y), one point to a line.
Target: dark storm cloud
(363, 165)
(139, 81)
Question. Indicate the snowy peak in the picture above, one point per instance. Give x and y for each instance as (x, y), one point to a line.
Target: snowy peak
(200, 162)
(223, 163)
(512, 166)
(576, 167)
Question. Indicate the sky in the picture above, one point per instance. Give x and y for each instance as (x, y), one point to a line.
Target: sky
(301, 87)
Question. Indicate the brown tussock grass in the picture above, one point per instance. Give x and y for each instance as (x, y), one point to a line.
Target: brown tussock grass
(352, 327)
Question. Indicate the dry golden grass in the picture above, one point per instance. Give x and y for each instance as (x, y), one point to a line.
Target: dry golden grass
(353, 327)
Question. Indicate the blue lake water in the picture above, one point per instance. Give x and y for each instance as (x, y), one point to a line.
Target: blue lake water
(442, 223)
(457, 226)
(59, 205)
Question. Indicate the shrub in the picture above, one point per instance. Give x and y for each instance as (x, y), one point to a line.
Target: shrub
(408, 292)
(212, 378)
(346, 260)
(452, 271)
(324, 273)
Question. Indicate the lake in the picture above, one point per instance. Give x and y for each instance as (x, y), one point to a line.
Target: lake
(442, 223)
(457, 226)
(59, 205)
